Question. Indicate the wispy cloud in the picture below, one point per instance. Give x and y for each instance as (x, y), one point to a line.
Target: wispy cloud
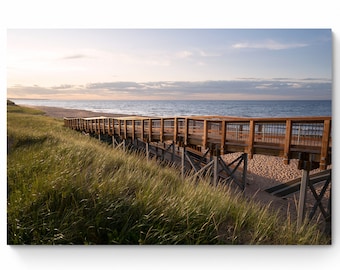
(74, 56)
(208, 54)
(268, 45)
(184, 54)
(63, 87)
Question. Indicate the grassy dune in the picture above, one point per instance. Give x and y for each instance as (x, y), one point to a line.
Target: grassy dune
(66, 188)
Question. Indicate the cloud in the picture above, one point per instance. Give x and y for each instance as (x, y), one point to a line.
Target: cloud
(195, 53)
(268, 45)
(112, 85)
(208, 54)
(184, 54)
(74, 56)
(265, 86)
(242, 89)
(63, 87)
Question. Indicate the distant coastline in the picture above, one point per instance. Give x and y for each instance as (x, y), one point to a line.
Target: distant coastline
(167, 108)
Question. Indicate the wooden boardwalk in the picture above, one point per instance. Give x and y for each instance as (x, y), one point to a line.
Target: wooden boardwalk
(196, 144)
(305, 138)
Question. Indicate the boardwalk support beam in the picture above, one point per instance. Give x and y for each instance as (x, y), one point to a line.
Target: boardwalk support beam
(306, 165)
(302, 198)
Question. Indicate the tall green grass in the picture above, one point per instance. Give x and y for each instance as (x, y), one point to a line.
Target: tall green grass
(66, 188)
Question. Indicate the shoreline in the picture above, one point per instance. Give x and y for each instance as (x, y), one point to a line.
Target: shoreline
(60, 113)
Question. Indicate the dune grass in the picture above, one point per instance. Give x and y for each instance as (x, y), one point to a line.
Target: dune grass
(66, 188)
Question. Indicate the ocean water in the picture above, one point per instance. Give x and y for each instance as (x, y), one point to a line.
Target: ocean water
(250, 108)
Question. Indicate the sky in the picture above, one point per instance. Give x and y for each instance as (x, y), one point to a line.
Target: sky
(153, 64)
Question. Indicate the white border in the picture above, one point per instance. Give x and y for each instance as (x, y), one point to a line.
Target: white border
(166, 14)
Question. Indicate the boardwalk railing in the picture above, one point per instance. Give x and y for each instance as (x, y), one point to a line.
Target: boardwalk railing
(285, 137)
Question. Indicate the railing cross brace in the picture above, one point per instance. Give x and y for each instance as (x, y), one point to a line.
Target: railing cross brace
(319, 198)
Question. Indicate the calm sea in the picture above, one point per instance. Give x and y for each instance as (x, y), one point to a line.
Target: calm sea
(243, 108)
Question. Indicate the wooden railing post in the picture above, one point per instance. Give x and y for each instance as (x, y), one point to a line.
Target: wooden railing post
(186, 131)
(125, 129)
(175, 129)
(119, 127)
(96, 125)
(161, 135)
(251, 138)
(205, 133)
(150, 130)
(223, 136)
(142, 129)
(111, 126)
(288, 138)
(133, 130)
(325, 144)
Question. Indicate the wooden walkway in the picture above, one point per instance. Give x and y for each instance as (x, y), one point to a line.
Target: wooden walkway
(196, 144)
(305, 138)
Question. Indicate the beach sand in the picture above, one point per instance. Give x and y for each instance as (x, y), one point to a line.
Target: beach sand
(263, 171)
(57, 112)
